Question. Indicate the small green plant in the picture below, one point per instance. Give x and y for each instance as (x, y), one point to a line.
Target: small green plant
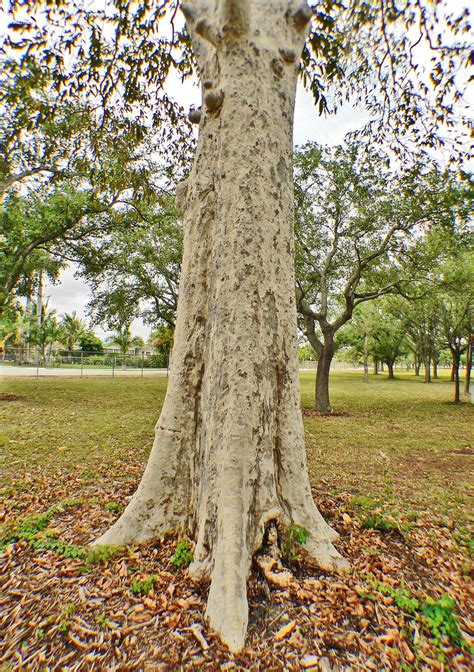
(69, 503)
(102, 620)
(440, 620)
(39, 633)
(464, 539)
(401, 597)
(142, 587)
(64, 625)
(99, 555)
(295, 536)
(437, 617)
(374, 514)
(69, 609)
(182, 555)
(382, 521)
(113, 507)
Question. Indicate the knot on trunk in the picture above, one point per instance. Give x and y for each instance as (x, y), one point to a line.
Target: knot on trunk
(194, 116)
(235, 15)
(213, 100)
(277, 66)
(208, 31)
(301, 17)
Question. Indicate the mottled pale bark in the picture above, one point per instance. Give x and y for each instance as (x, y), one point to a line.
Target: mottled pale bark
(229, 456)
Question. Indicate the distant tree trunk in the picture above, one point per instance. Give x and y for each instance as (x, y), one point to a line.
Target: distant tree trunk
(322, 402)
(467, 382)
(382, 368)
(426, 365)
(376, 366)
(435, 360)
(366, 358)
(456, 357)
(390, 365)
(229, 463)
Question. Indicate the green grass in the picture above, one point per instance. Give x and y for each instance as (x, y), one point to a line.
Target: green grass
(402, 441)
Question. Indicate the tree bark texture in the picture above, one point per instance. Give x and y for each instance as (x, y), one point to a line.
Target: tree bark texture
(426, 365)
(456, 355)
(322, 401)
(391, 374)
(416, 364)
(229, 457)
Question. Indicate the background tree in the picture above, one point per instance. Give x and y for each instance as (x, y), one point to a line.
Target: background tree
(388, 338)
(89, 343)
(232, 409)
(456, 305)
(358, 334)
(125, 341)
(359, 226)
(71, 328)
(137, 272)
(421, 320)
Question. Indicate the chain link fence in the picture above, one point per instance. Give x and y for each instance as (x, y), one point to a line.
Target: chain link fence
(33, 362)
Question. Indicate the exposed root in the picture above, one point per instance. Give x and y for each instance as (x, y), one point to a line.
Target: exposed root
(274, 572)
(227, 608)
(326, 556)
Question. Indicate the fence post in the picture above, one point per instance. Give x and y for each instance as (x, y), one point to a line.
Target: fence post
(113, 365)
(82, 363)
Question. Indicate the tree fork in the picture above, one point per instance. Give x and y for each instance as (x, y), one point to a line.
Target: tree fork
(229, 458)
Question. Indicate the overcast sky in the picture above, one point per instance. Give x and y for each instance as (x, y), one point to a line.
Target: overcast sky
(72, 293)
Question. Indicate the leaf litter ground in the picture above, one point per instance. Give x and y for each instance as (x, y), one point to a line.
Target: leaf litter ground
(136, 611)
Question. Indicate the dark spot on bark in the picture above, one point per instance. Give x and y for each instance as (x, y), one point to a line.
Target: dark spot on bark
(256, 49)
(282, 169)
(277, 66)
(288, 55)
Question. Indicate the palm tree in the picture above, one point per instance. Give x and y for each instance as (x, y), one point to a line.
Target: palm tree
(71, 328)
(125, 341)
(42, 327)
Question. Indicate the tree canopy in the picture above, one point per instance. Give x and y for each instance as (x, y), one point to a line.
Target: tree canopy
(120, 55)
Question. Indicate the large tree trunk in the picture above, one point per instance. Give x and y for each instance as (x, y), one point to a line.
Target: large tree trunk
(376, 366)
(229, 458)
(435, 361)
(322, 402)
